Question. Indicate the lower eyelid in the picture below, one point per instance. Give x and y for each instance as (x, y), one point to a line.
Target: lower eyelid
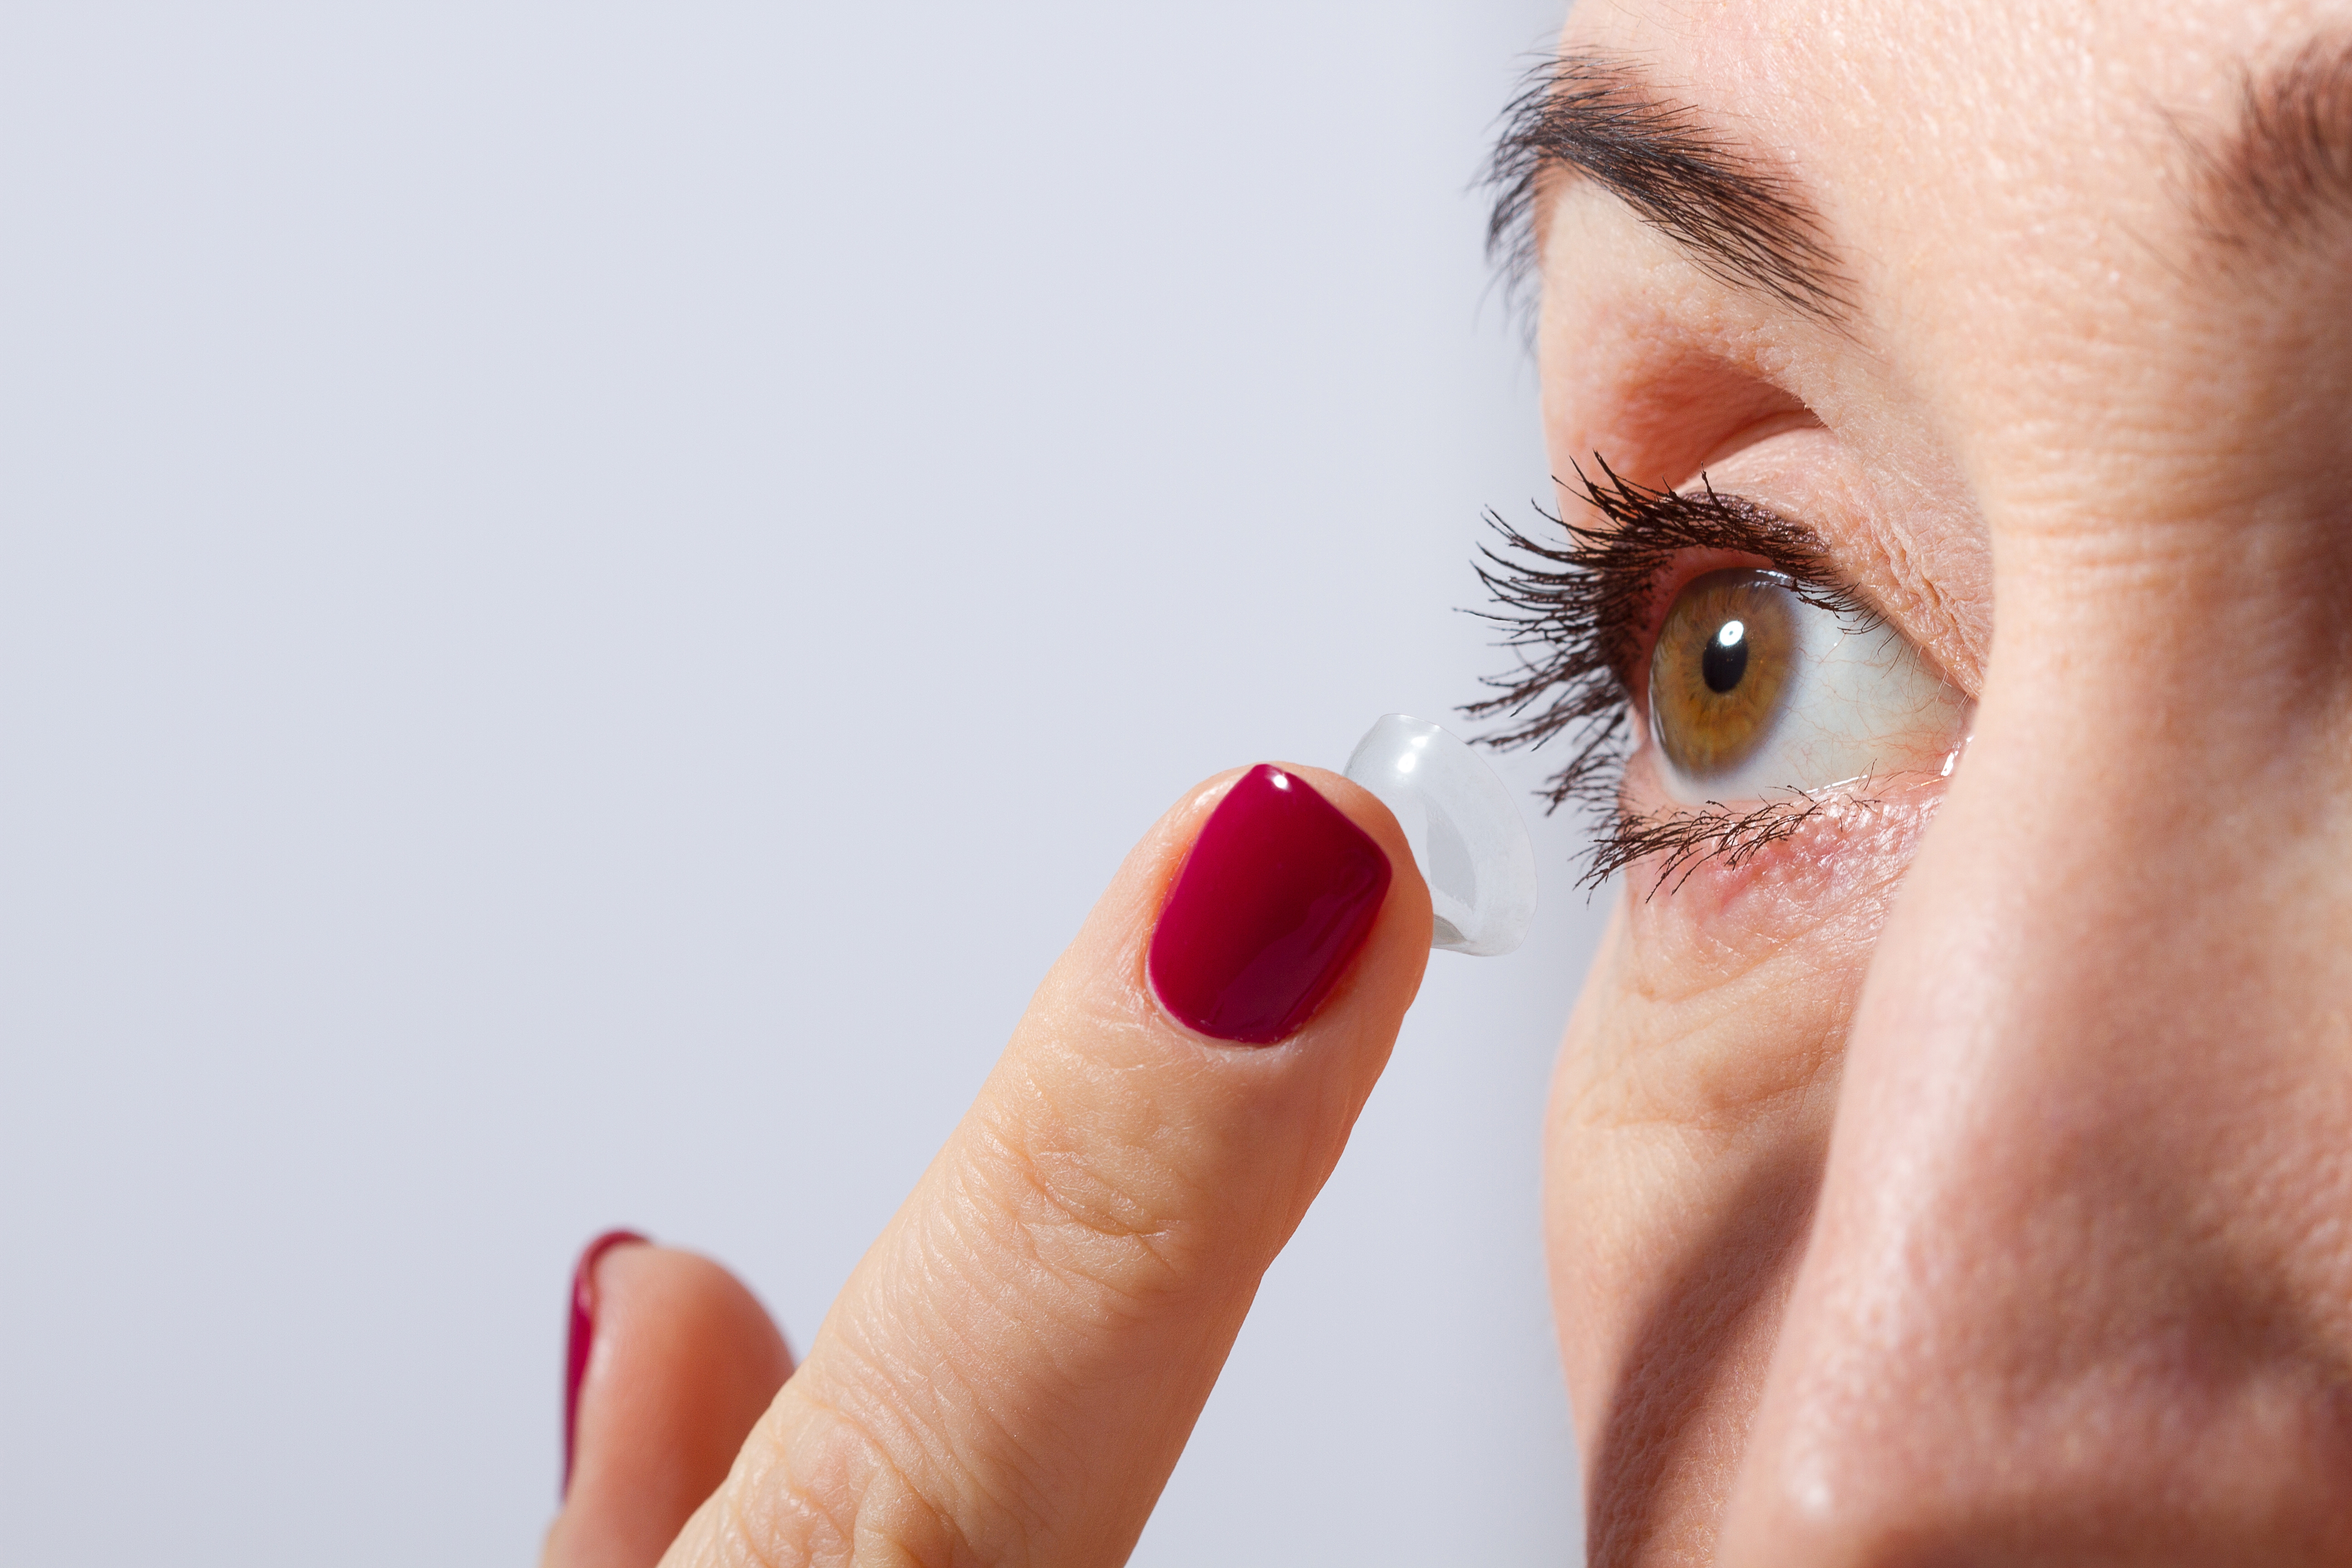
(1833, 835)
(1679, 841)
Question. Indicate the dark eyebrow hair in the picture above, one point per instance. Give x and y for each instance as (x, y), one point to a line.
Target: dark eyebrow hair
(1599, 117)
(2284, 169)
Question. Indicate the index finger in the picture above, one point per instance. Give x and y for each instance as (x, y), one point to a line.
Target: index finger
(1013, 1370)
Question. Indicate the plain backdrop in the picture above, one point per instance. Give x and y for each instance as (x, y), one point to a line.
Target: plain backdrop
(591, 592)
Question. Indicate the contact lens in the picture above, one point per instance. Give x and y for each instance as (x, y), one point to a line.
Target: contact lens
(1465, 831)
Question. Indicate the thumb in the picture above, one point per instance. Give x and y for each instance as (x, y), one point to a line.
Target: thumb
(1011, 1372)
(672, 1360)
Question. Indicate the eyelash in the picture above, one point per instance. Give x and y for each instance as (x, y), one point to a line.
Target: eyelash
(1579, 613)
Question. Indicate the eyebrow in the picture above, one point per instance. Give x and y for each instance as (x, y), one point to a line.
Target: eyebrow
(2282, 177)
(1591, 116)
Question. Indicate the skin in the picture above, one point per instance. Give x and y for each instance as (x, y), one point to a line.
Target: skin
(686, 1362)
(1965, 1179)
(1010, 1374)
(1969, 1185)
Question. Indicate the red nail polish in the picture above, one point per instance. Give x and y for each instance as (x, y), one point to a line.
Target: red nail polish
(1279, 892)
(583, 1337)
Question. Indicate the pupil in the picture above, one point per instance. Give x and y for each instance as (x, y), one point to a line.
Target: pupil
(1725, 660)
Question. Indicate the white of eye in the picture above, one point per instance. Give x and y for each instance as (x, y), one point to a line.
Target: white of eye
(1859, 703)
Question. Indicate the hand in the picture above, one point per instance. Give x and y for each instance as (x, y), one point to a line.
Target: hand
(1011, 1372)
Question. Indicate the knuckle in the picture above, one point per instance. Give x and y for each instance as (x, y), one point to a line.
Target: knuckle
(1112, 1204)
(828, 1488)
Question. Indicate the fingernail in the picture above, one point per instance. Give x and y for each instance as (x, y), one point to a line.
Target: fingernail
(1279, 894)
(583, 1338)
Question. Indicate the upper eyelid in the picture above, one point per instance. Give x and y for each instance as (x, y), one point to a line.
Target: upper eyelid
(1813, 580)
(1825, 573)
(1676, 402)
(1589, 605)
(1674, 384)
(1656, 534)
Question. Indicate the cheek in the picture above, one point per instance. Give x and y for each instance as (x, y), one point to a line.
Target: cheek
(1689, 1123)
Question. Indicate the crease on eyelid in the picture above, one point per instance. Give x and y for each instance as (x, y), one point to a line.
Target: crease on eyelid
(1663, 406)
(1876, 559)
(1781, 422)
(1672, 406)
(1928, 606)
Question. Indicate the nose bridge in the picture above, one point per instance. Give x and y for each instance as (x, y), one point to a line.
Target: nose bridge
(2078, 1278)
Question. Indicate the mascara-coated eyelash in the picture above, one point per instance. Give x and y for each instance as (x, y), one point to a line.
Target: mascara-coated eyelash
(1576, 612)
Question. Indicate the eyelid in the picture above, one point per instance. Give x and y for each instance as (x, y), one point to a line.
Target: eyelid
(1584, 616)
(1670, 392)
(1825, 592)
(1834, 702)
(1584, 607)
(1717, 530)
(1781, 422)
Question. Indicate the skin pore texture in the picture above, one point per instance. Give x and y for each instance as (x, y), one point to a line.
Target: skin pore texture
(1968, 1178)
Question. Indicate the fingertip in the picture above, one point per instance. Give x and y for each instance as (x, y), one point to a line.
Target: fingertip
(1286, 882)
(1408, 900)
(681, 1361)
(1024, 1351)
(581, 1338)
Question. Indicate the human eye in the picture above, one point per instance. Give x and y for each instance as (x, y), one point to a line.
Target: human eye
(1712, 638)
(1755, 687)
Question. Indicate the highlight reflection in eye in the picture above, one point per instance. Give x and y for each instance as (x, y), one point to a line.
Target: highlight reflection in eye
(1754, 691)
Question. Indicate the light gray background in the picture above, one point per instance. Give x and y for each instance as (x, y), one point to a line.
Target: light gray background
(591, 592)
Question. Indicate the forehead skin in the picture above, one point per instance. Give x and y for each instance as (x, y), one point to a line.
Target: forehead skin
(2009, 188)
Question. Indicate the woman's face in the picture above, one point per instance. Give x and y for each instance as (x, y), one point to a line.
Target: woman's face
(1954, 1167)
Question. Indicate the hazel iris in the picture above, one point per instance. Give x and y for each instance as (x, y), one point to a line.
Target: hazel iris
(1721, 667)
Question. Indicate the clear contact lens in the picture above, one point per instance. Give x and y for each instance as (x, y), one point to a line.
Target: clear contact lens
(1465, 831)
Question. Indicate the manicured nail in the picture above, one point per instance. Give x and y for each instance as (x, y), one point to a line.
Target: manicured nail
(583, 1338)
(1279, 894)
